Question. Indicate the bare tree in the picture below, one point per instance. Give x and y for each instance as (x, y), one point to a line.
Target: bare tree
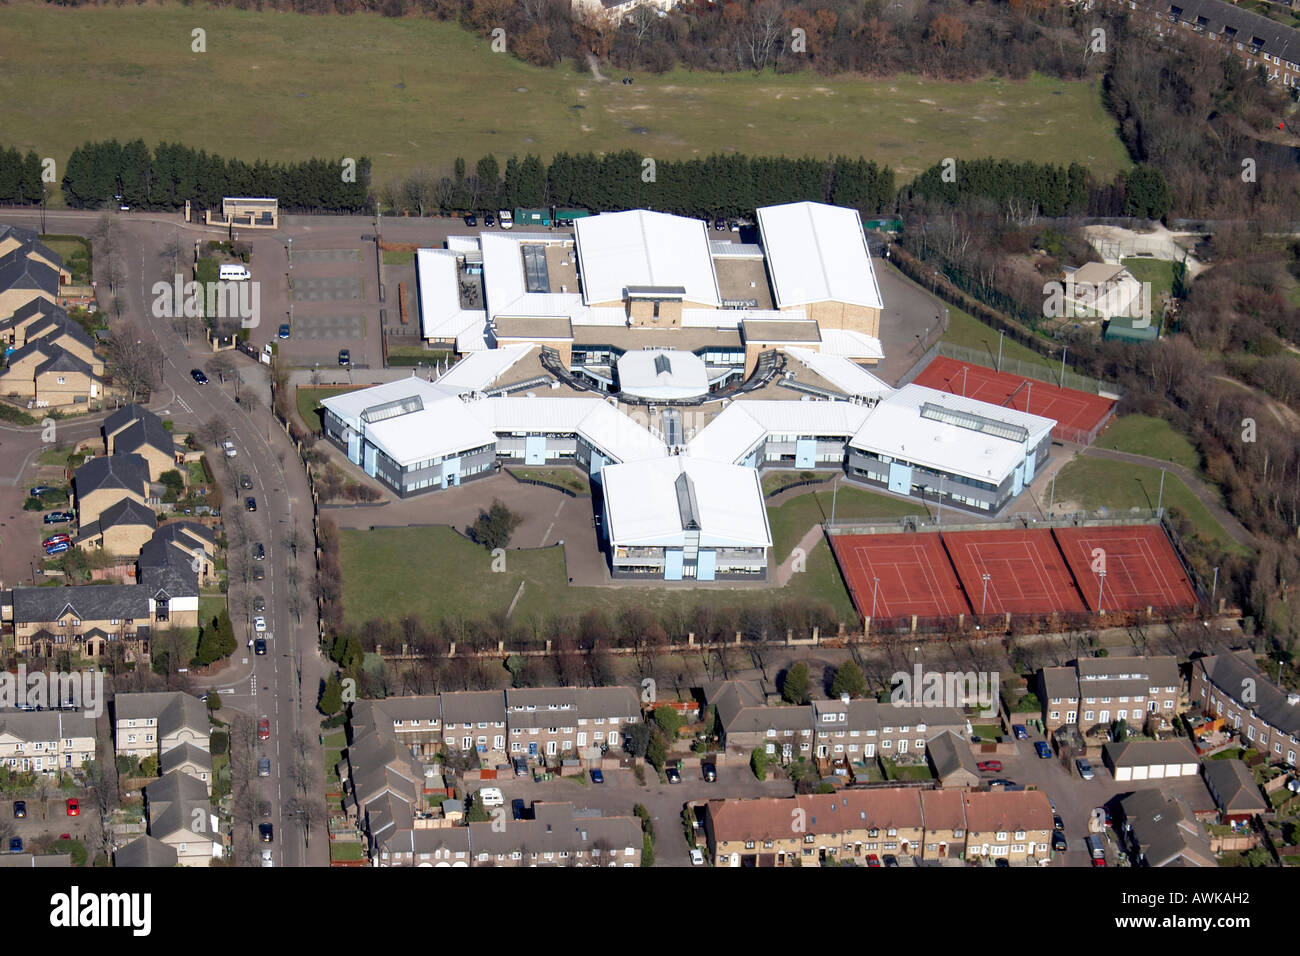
(220, 365)
(134, 364)
(173, 249)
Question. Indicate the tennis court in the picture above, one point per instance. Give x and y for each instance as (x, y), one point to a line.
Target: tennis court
(1078, 414)
(914, 572)
(1026, 573)
(1140, 568)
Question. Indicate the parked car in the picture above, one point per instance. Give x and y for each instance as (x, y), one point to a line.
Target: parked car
(1005, 784)
(1021, 731)
(59, 517)
(266, 831)
(1098, 861)
(264, 767)
(259, 552)
(521, 767)
(1001, 863)
(284, 330)
(710, 773)
(989, 766)
(1057, 823)
(597, 776)
(16, 845)
(674, 775)
(198, 376)
(259, 647)
(1058, 842)
(250, 503)
(873, 860)
(259, 573)
(268, 859)
(58, 548)
(471, 220)
(891, 860)
(229, 448)
(489, 219)
(492, 797)
(259, 624)
(518, 808)
(56, 539)
(720, 224)
(20, 809)
(1085, 768)
(264, 729)
(345, 358)
(1042, 749)
(246, 482)
(259, 603)
(697, 857)
(72, 807)
(40, 490)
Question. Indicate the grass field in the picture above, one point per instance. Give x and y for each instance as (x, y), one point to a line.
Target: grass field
(1153, 437)
(289, 87)
(1118, 486)
(792, 519)
(310, 397)
(570, 478)
(386, 574)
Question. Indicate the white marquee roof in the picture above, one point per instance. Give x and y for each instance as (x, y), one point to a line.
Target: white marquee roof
(663, 374)
(643, 248)
(817, 253)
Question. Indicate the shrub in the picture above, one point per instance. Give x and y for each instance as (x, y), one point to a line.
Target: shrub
(758, 763)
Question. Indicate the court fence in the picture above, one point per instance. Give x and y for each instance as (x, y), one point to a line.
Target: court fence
(923, 523)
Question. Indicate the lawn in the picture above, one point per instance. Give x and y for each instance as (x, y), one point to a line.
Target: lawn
(1159, 272)
(969, 332)
(791, 520)
(398, 258)
(569, 478)
(1153, 437)
(386, 574)
(76, 255)
(774, 481)
(290, 89)
(55, 456)
(1092, 483)
(310, 397)
(210, 606)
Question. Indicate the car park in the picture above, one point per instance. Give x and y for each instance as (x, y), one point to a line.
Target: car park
(250, 504)
(229, 448)
(264, 729)
(1085, 768)
(697, 857)
(59, 517)
(674, 775)
(1043, 751)
(198, 376)
(246, 482)
(597, 776)
(259, 624)
(72, 807)
(710, 772)
(266, 831)
(264, 767)
(259, 647)
(492, 797)
(20, 809)
(989, 766)
(345, 358)
(284, 330)
(1021, 732)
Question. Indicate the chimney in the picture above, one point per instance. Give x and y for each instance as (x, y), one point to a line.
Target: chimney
(1292, 699)
(844, 699)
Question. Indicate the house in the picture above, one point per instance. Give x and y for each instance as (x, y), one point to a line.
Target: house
(1157, 830)
(558, 835)
(46, 741)
(952, 762)
(146, 851)
(245, 212)
(1150, 759)
(178, 545)
(747, 722)
(1235, 792)
(1094, 692)
(133, 429)
(190, 759)
(24, 278)
(154, 724)
(122, 528)
(474, 720)
(87, 617)
(617, 10)
(943, 814)
(45, 372)
(1222, 685)
(1103, 289)
(179, 814)
(101, 482)
(1014, 825)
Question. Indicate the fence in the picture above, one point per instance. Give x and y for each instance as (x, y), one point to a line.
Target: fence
(1034, 370)
(1075, 519)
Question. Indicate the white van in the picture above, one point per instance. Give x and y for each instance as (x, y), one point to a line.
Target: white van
(506, 220)
(234, 274)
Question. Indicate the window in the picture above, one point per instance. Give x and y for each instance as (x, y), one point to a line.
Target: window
(1001, 835)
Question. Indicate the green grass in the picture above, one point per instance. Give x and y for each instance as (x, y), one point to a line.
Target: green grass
(569, 478)
(346, 850)
(196, 473)
(210, 607)
(290, 89)
(969, 332)
(310, 397)
(1153, 437)
(55, 456)
(398, 258)
(1159, 272)
(77, 257)
(1094, 483)
(909, 772)
(986, 731)
(775, 480)
(386, 575)
(791, 520)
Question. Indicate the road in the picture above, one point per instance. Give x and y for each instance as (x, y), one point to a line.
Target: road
(283, 684)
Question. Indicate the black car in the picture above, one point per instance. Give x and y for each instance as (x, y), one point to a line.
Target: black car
(245, 482)
(521, 767)
(259, 552)
(250, 503)
(259, 647)
(16, 845)
(489, 219)
(890, 860)
(259, 604)
(198, 376)
(674, 775)
(1000, 862)
(471, 220)
(259, 574)
(58, 517)
(20, 809)
(517, 806)
(39, 490)
(1057, 823)
(710, 773)
(345, 358)
(1058, 842)
(720, 224)
(266, 831)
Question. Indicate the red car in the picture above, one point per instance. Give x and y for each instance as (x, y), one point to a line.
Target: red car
(990, 766)
(56, 539)
(263, 729)
(74, 808)
(1099, 861)
(873, 860)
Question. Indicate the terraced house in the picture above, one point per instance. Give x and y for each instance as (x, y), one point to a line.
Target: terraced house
(1094, 692)
(1265, 716)
(47, 741)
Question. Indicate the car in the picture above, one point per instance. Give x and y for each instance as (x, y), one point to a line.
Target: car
(268, 858)
(264, 729)
(65, 836)
(259, 552)
(59, 517)
(1099, 861)
(1057, 823)
(284, 330)
(1004, 783)
(1085, 768)
(1293, 785)
(1021, 731)
(720, 224)
(1058, 842)
(20, 809)
(250, 504)
(40, 490)
(123, 208)
(198, 376)
(259, 573)
(72, 807)
(259, 624)
(518, 808)
(246, 482)
(58, 548)
(1043, 751)
(492, 797)
(259, 647)
(597, 776)
(873, 860)
(264, 767)
(674, 775)
(267, 832)
(733, 225)
(16, 845)
(697, 857)
(710, 772)
(56, 539)
(259, 603)
(229, 448)
(1001, 863)
(521, 767)
(345, 358)
(489, 219)
(989, 766)
(471, 220)
(891, 860)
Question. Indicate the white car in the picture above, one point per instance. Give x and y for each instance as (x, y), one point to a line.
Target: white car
(259, 624)
(697, 858)
(267, 858)
(492, 797)
(229, 447)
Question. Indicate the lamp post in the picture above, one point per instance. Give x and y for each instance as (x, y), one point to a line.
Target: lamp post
(874, 591)
(984, 601)
(1100, 587)
(1214, 589)
(1161, 498)
(1001, 334)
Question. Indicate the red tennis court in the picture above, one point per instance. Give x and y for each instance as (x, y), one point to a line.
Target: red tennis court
(1077, 413)
(914, 572)
(1026, 572)
(1141, 568)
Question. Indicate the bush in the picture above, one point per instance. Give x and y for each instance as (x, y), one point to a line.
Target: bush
(218, 743)
(33, 504)
(758, 763)
(647, 850)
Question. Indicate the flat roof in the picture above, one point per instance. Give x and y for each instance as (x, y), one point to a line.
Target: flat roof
(638, 247)
(481, 369)
(818, 253)
(742, 425)
(534, 327)
(851, 344)
(437, 282)
(443, 428)
(630, 339)
(783, 330)
(349, 405)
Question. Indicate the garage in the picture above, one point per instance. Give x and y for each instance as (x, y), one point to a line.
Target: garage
(1138, 760)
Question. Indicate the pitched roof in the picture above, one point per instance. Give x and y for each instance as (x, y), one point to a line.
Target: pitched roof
(174, 803)
(943, 810)
(1166, 835)
(474, 706)
(1141, 753)
(997, 811)
(1219, 18)
(950, 754)
(172, 709)
(127, 472)
(17, 271)
(89, 602)
(145, 432)
(185, 753)
(128, 511)
(1230, 673)
(145, 851)
(1060, 683)
(1233, 786)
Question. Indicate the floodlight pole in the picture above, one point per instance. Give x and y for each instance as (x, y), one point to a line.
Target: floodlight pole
(1214, 589)
(1001, 334)
(1101, 584)
(1064, 350)
(874, 591)
(1161, 498)
(984, 601)
(1051, 504)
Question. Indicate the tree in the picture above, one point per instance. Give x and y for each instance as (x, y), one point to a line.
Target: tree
(331, 696)
(849, 680)
(174, 482)
(668, 721)
(758, 763)
(134, 364)
(797, 686)
(475, 812)
(636, 738)
(657, 751)
(494, 527)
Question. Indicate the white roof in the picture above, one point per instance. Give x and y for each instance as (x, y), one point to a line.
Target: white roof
(441, 316)
(742, 425)
(731, 318)
(478, 371)
(504, 286)
(851, 344)
(601, 424)
(643, 248)
(895, 428)
(662, 374)
(443, 428)
(817, 253)
(848, 377)
(642, 503)
(349, 405)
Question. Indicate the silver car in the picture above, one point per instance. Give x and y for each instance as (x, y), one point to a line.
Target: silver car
(264, 767)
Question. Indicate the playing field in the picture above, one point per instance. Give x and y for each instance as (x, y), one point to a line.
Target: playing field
(1025, 571)
(412, 92)
(1126, 568)
(1076, 413)
(899, 575)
